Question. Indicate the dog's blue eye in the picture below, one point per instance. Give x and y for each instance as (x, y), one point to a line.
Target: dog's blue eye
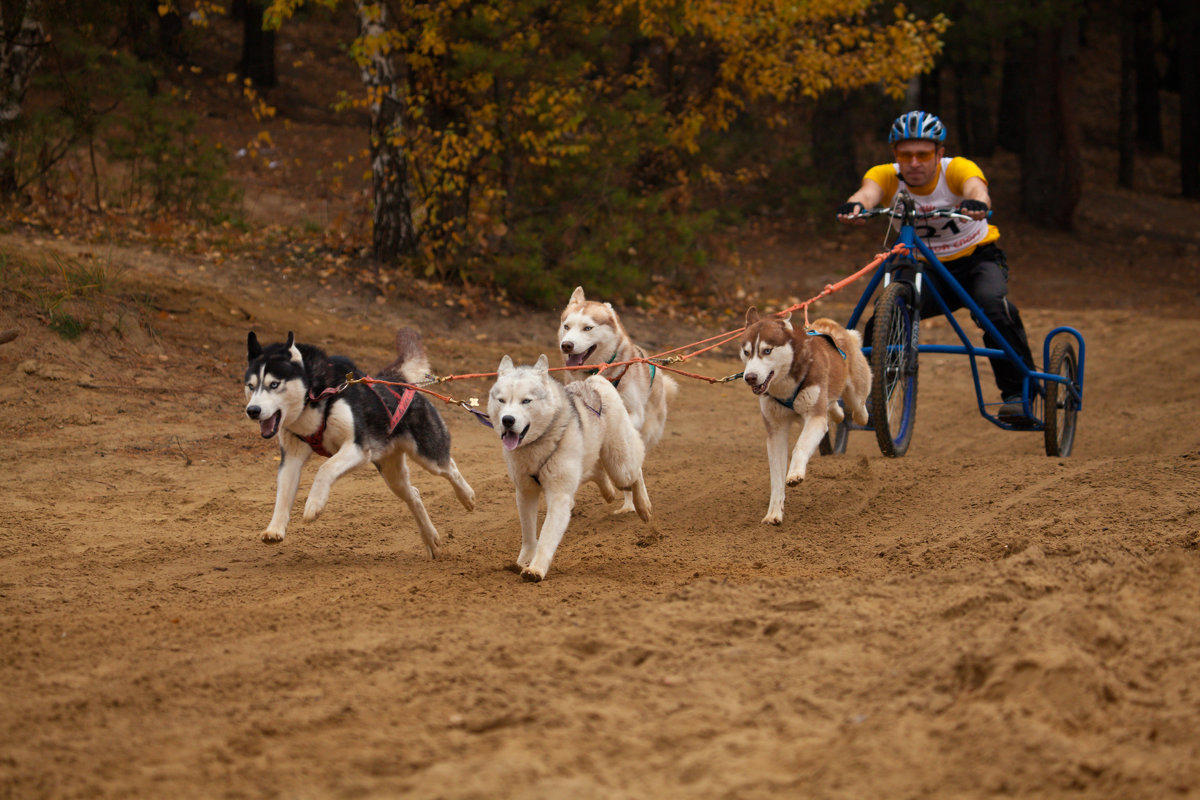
(274, 385)
(766, 351)
(587, 327)
(526, 401)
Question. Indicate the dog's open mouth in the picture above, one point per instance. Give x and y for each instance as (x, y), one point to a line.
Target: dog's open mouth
(511, 439)
(579, 359)
(761, 388)
(270, 425)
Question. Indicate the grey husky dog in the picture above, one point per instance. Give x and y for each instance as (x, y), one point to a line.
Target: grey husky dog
(299, 394)
(556, 438)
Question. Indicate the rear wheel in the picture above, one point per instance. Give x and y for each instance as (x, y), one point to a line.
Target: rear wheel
(894, 369)
(1061, 406)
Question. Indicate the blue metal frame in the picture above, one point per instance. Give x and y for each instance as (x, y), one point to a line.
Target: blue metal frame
(930, 263)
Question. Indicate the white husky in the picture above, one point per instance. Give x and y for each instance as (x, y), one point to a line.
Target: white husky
(800, 374)
(554, 439)
(591, 331)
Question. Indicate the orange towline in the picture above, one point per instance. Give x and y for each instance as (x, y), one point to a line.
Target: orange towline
(662, 360)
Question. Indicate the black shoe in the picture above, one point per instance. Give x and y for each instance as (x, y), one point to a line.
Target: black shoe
(1013, 411)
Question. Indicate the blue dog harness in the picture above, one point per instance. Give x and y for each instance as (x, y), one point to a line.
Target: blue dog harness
(790, 403)
(617, 380)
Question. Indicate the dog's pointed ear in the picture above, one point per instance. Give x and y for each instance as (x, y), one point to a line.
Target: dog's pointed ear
(505, 365)
(751, 315)
(577, 295)
(295, 351)
(543, 363)
(253, 348)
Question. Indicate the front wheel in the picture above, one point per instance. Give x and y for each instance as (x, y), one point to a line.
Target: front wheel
(835, 440)
(1062, 408)
(894, 369)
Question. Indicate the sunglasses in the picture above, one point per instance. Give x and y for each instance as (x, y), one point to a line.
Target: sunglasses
(924, 156)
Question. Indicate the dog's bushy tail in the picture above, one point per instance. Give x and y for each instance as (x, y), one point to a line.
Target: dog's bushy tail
(412, 363)
(670, 385)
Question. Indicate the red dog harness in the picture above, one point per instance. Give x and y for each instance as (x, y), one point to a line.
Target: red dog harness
(403, 400)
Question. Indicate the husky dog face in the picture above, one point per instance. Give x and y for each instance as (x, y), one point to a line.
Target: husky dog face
(767, 349)
(590, 331)
(275, 384)
(520, 404)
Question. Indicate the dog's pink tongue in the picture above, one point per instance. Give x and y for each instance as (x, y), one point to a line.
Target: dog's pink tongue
(510, 440)
(267, 426)
(575, 359)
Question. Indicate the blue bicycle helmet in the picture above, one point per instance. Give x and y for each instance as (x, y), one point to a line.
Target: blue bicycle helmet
(917, 125)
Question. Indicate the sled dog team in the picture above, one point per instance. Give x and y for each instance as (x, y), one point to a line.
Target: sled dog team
(555, 436)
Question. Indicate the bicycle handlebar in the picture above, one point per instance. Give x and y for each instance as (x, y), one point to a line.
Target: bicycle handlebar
(898, 213)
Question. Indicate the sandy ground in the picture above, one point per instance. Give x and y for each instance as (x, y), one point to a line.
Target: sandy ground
(972, 620)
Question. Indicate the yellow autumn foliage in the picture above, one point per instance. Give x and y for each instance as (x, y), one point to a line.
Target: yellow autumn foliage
(501, 94)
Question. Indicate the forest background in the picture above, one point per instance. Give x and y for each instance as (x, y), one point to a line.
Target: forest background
(523, 147)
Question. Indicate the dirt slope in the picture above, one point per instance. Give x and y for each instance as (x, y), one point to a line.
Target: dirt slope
(972, 620)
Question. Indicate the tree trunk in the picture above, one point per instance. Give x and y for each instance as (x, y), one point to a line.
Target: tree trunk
(930, 93)
(1051, 183)
(1126, 97)
(832, 139)
(1189, 99)
(21, 39)
(258, 47)
(394, 235)
(1148, 107)
(1015, 85)
(977, 137)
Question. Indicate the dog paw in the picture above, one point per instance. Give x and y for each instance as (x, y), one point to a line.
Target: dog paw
(773, 519)
(312, 510)
(467, 499)
(531, 575)
(271, 537)
(795, 479)
(434, 549)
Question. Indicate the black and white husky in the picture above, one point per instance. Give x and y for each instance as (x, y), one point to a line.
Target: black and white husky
(299, 393)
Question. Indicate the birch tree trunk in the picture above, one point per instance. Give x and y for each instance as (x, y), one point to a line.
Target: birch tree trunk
(394, 235)
(21, 39)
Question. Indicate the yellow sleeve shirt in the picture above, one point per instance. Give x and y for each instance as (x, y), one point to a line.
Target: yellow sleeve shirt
(955, 175)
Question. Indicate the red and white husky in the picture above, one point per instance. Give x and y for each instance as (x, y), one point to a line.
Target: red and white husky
(590, 332)
(799, 374)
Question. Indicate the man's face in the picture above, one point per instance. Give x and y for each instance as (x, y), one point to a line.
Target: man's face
(918, 160)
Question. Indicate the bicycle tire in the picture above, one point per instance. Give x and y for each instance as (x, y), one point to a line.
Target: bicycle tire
(1061, 408)
(833, 443)
(894, 369)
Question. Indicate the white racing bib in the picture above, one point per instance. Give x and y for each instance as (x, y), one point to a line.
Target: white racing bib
(945, 237)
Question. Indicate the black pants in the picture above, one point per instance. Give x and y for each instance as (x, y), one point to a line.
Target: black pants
(984, 276)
